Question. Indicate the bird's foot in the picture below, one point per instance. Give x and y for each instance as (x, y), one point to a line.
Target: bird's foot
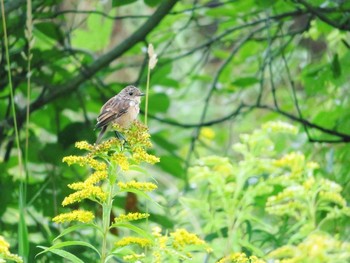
(121, 138)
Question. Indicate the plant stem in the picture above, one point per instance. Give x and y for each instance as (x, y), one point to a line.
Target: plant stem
(107, 207)
(147, 91)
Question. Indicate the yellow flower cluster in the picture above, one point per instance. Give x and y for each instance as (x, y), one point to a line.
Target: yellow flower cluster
(121, 160)
(85, 191)
(85, 160)
(134, 257)
(96, 177)
(312, 165)
(291, 201)
(142, 186)
(140, 155)
(142, 242)
(240, 258)
(332, 197)
(295, 201)
(316, 248)
(162, 240)
(75, 215)
(207, 133)
(84, 145)
(294, 161)
(182, 238)
(328, 185)
(279, 127)
(88, 188)
(156, 231)
(136, 135)
(112, 144)
(131, 217)
(5, 252)
(175, 244)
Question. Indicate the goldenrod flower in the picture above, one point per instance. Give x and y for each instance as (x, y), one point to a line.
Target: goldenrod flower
(312, 165)
(96, 177)
(84, 145)
(140, 155)
(280, 126)
(142, 242)
(130, 217)
(136, 135)
(93, 192)
(77, 186)
(240, 258)
(75, 215)
(207, 133)
(5, 252)
(85, 160)
(182, 238)
(332, 197)
(295, 161)
(106, 146)
(156, 231)
(121, 160)
(143, 186)
(157, 257)
(317, 247)
(134, 257)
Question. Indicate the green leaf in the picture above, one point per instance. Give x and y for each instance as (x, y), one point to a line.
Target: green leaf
(172, 165)
(77, 227)
(63, 254)
(266, 3)
(152, 3)
(133, 228)
(97, 34)
(335, 66)
(51, 30)
(68, 244)
(160, 139)
(76, 131)
(245, 82)
(158, 102)
(116, 3)
(160, 76)
(119, 252)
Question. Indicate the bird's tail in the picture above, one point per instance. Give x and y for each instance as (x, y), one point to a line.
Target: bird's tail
(102, 132)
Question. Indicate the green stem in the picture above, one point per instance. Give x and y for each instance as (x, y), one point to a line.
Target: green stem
(107, 207)
(28, 33)
(13, 108)
(147, 91)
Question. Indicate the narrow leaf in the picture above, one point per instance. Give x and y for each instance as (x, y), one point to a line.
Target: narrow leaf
(133, 228)
(68, 244)
(63, 254)
(77, 227)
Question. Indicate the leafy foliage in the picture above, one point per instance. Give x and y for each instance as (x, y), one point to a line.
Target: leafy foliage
(224, 68)
(267, 203)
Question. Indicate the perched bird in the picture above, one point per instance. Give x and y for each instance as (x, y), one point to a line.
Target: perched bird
(122, 109)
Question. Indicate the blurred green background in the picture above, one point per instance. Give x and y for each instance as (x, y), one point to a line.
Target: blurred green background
(225, 68)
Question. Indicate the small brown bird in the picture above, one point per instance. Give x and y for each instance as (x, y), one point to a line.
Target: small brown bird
(122, 109)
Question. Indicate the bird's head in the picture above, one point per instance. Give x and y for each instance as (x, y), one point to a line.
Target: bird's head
(131, 92)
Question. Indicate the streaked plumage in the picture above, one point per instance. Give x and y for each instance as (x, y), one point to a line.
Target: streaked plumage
(121, 109)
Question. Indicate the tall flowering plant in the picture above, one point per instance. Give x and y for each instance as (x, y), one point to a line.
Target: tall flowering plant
(109, 162)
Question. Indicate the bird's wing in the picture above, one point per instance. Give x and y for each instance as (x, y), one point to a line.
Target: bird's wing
(113, 109)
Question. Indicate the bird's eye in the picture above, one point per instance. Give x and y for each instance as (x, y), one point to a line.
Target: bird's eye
(131, 93)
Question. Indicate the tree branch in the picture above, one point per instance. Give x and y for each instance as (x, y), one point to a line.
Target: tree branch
(103, 61)
(319, 12)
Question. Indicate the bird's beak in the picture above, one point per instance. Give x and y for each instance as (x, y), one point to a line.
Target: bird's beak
(142, 94)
